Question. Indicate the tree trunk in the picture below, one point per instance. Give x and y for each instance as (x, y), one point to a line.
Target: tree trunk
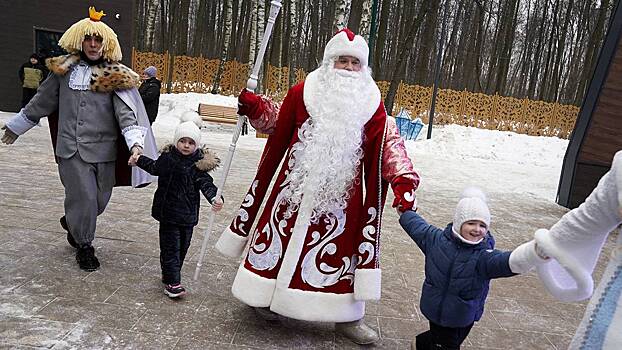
(200, 25)
(225, 45)
(252, 48)
(404, 52)
(313, 61)
(365, 22)
(511, 11)
(354, 17)
(381, 43)
(427, 46)
(593, 48)
(555, 87)
(293, 47)
(150, 18)
(341, 15)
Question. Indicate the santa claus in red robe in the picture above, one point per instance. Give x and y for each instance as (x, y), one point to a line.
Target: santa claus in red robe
(314, 253)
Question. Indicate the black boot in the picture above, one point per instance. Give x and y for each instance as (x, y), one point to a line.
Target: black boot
(85, 256)
(63, 224)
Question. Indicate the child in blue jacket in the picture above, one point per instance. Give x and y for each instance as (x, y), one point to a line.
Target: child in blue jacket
(460, 261)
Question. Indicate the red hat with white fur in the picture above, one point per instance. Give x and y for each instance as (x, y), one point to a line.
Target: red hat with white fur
(346, 43)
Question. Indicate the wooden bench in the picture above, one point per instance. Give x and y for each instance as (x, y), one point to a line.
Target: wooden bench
(222, 114)
(218, 114)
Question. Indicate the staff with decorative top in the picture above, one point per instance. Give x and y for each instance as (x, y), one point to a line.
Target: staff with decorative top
(314, 253)
(92, 103)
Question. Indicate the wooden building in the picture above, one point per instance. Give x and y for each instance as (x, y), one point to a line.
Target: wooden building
(598, 131)
(36, 26)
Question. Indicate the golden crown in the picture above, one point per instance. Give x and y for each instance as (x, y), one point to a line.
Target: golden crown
(95, 15)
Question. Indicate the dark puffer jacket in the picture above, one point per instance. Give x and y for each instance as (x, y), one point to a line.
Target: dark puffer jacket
(150, 92)
(457, 274)
(180, 178)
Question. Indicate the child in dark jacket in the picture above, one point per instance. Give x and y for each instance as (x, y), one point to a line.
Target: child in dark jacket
(460, 261)
(182, 171)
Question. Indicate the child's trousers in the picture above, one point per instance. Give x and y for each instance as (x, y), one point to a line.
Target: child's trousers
(442, 338)
(174, 243)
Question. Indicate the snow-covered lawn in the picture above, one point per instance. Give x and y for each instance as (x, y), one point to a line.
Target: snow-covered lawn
(455, 156)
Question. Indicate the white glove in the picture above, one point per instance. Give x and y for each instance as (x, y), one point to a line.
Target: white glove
(9, 136)
(526, 256)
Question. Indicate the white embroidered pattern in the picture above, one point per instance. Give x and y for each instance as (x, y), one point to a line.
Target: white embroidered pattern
(243, 216)
(367, 249)
(265, 256)
(321, 275)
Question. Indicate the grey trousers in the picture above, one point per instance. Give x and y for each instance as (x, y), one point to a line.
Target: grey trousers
(88, 187)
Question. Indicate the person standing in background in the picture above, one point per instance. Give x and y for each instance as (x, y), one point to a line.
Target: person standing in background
(31, 75)
(150, 92)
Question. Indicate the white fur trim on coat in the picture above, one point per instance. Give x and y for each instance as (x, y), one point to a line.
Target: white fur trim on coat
(258, 291)
(19, 123)
(231, 244)
(565, 277)
(525, 258)
(367, 283)
(316, 306)
(134, 135)
(576, 240)
(252, 289)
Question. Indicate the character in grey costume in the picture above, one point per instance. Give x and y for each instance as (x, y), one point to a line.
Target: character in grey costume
(95, 98)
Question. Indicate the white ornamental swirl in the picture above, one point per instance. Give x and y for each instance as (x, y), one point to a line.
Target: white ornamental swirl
(243, 216)
(266, 257)
(323, 275)
(368, 232)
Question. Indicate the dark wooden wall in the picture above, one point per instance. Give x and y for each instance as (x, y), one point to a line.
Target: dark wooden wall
(20, 18)
(598, 131)
(603, 138)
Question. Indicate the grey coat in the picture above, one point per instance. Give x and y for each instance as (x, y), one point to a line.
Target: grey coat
(88, 121)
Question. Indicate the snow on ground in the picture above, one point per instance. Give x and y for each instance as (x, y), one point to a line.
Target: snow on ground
(455, 156)
(497, 161)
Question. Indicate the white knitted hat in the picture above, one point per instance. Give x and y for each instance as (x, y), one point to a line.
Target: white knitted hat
(188, 129)
(472, 206)
(346, 43)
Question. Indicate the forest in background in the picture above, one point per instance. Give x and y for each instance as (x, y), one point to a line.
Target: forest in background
(537, 49)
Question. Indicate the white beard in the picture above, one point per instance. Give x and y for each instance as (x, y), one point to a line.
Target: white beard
(324, 163)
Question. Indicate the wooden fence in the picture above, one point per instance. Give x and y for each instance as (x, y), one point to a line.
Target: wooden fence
(524, 116)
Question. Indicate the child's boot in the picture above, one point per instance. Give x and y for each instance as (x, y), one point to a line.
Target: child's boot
(357, 331)
(174, 290)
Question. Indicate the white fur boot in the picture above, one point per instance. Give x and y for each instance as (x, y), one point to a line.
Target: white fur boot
(357, 331)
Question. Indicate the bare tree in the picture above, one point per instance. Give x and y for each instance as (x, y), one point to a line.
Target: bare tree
(365, 22)
(341, 15)
(404, 51)
(228, 8)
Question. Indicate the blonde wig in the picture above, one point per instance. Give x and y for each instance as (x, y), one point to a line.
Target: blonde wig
(73, 37)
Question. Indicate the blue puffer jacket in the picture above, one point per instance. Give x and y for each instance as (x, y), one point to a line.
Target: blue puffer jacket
(457, 274)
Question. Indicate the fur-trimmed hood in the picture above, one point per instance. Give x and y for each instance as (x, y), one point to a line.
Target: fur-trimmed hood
(105, 77)
(207, 160)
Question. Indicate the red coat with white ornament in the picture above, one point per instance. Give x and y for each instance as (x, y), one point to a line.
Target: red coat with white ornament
(320, 270)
